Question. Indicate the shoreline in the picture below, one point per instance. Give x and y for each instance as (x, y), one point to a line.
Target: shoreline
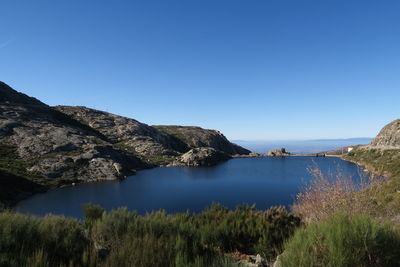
(11, 204)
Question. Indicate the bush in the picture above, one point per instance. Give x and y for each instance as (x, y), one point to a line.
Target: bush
(156, 239)
(343, 240)
(246, 229)
(26, 239)
(62, 239)
(92, 212)
(109, 231)
(18, 236)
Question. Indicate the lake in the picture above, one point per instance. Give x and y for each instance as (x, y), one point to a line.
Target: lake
(264, 181)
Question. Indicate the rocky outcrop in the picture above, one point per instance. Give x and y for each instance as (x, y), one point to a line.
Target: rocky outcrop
(202, 156)
(278, 153)
(382, 156)
(48, 144)
(135, 136)
(195, 137)
(389, 136)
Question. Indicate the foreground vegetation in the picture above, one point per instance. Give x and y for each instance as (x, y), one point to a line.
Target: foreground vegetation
(347, 223)
(124, 238)
(343, 240)
(382, 196)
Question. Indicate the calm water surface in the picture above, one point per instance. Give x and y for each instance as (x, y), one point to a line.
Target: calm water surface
(264, 181)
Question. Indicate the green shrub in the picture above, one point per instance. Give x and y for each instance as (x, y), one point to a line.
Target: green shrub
(63, 239)
(92, 213)
(27, 239)
(343, 240)
(246, 229)
(109, 231)
(156, 239)
(18, 236)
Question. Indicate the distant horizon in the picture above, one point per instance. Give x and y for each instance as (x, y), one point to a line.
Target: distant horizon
(318, 139)
(302, 146)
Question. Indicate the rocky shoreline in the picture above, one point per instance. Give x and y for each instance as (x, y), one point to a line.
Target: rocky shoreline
(51, 147)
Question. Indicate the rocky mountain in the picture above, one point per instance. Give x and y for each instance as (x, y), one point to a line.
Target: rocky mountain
(382, 155)
(43, 146)
(44, 143)
(136, 137)
(389, 136)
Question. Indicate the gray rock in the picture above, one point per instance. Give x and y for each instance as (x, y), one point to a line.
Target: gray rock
(54, 145)
(135, 136)
(203, 156)
(195, 137)
(278, 262)
(389, 136)
(259, 260)
(278, 153)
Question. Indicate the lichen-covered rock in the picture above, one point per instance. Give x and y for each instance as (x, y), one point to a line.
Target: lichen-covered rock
(389, 136)
(202, 156)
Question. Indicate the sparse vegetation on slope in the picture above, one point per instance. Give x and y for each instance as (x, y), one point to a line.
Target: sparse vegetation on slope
(385, 162)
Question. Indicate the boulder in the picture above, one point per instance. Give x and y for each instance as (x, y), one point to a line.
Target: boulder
(203, 156)
(389, 136)
(278, 153)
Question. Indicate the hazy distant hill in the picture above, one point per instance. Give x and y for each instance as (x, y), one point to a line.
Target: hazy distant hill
(302, 146)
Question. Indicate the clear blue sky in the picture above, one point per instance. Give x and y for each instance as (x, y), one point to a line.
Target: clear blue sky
(268, 69)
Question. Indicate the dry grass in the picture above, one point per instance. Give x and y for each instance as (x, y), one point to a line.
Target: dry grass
(328, 194)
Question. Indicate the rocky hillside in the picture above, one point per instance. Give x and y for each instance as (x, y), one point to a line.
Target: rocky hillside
(382, 156)
(389, 136)
(52, 146)
(145, 141)
(48, 146)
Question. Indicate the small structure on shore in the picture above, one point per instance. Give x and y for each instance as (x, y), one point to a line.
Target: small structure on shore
(278, 153)
(350, 148)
